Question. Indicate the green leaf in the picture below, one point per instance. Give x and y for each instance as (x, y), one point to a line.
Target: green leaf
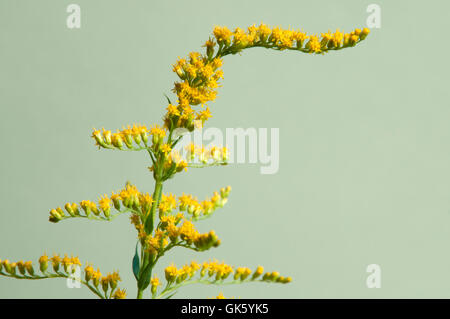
(149, 224)
(144, 279)
(168, 100)
(171, 171)
(136, 263)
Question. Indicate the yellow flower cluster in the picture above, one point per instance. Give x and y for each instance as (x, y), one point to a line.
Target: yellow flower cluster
(156, 243)
(167, 204)
(56, 261)
(216, 271)
(220, 296)
(129, 197)
(10, 268)
(120, 294)
(190, 235)
(175, 163)
(26, 269)
(196, 209)
(133, 199)
(173, 274)
(154, 283)
(134, 137)
(220, 271)
(275, 277)
(62, 267)
(108, 282)
(169, 224)
(199, 79)
(91, 274)
(129, 136)
(197, 156)
(281, 39)
(204, 155)
(172, 228)
(186, 232)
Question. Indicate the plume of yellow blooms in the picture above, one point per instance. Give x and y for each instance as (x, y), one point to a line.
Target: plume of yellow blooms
(199, 74)
(162, 220)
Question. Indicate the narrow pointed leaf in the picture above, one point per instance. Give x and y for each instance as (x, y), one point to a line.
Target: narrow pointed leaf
(136, 263)
(168, 100)
(144, 279)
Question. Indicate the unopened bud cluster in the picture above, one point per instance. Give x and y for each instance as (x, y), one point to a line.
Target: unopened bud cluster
(129, 198)
(131, 137)
(63, 267)
(197, 209)
(107, 283)
(210, 155)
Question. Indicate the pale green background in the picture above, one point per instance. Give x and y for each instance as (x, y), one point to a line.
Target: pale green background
(364, 154)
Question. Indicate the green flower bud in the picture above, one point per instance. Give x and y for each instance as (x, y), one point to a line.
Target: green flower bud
(21, 267)
(117, 141)
(137, 138)
(54, 216)
(69, 209)
(12, 270)
(7, 265)
(29, 268)
(105, 284)
(43, 263)
(144, 137)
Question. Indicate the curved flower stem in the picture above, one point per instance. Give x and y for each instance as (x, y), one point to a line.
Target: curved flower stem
(233, 50)
(57, 275)
(133, 149)
(207, 165)
(100, 218)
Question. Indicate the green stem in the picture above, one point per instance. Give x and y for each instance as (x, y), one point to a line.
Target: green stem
(57, 275)
(100, 218)
(149, 223)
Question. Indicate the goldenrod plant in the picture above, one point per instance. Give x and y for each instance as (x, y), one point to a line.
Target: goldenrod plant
(162, 220)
